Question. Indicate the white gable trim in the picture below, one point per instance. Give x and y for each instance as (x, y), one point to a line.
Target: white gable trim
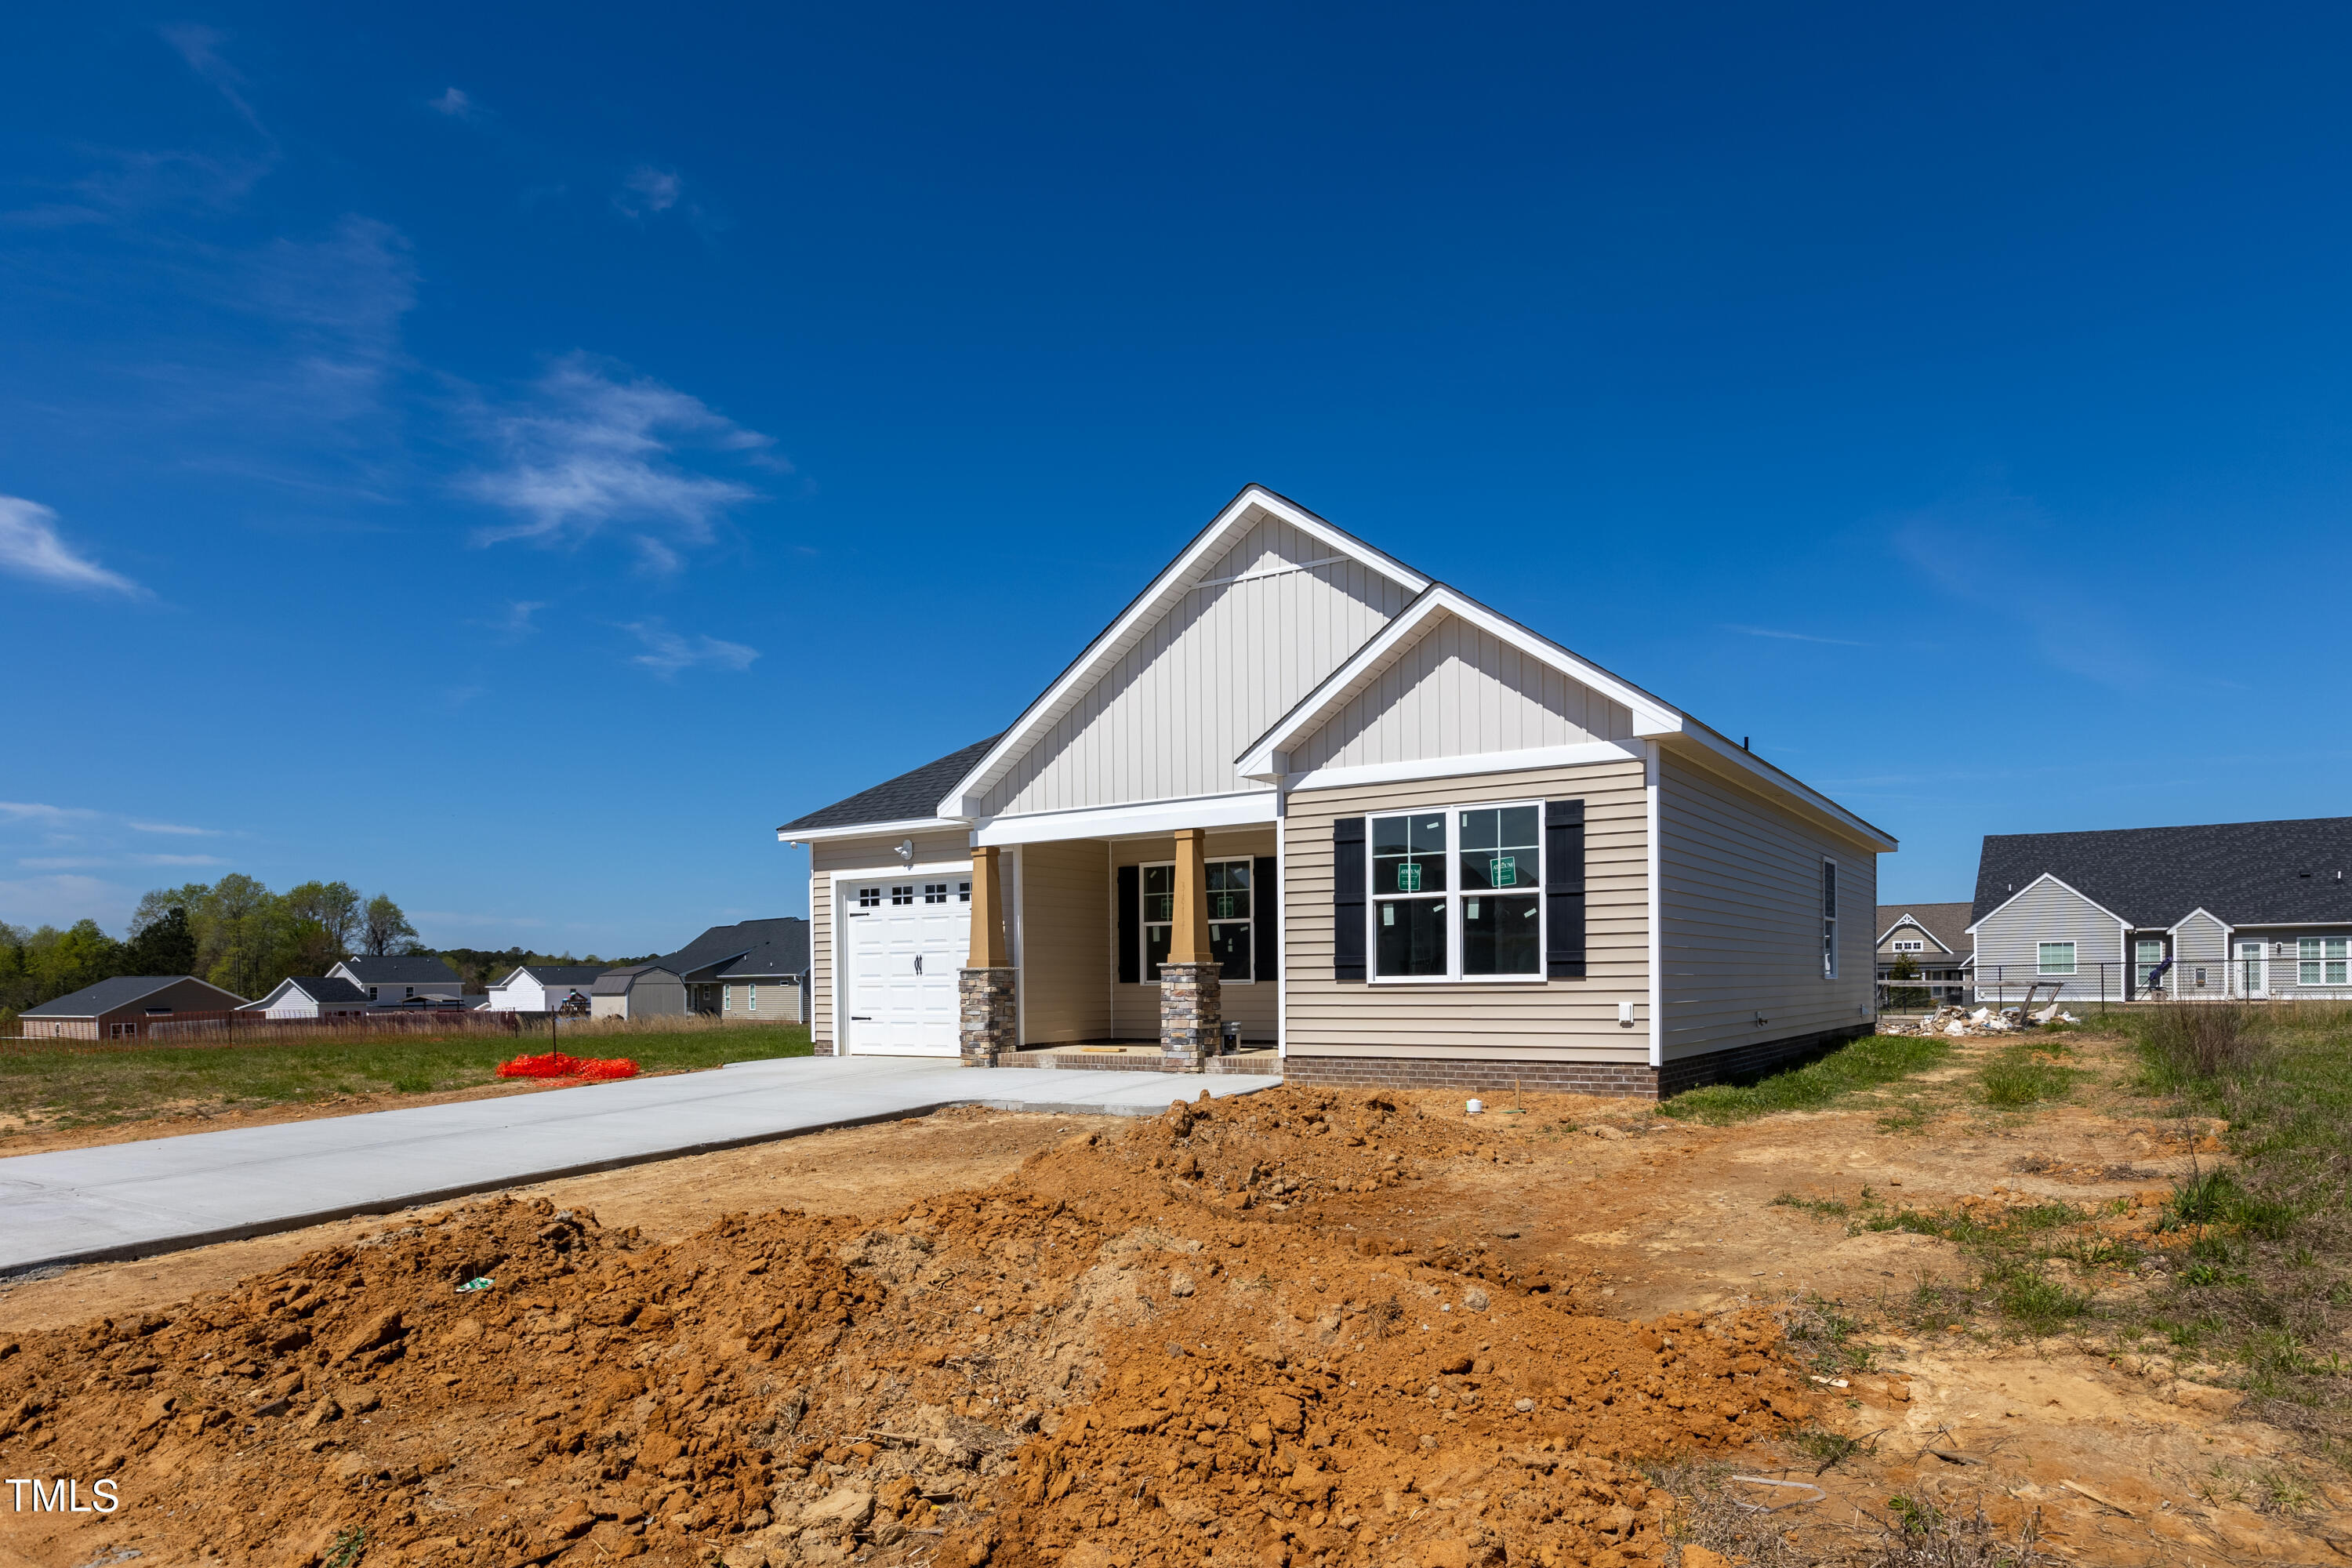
(1473, 763)
(1913, 922)
(2121, 923)
(1179, 578)
(1268, 757)
(905, 825)
(2227, 929)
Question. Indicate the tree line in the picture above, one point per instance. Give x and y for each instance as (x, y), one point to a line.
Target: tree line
(240, 936)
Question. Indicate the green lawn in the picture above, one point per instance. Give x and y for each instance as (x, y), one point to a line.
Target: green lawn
(97, 1086)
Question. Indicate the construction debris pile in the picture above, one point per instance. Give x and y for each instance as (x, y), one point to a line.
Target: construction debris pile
(1153, 1346)
(1960, 1023)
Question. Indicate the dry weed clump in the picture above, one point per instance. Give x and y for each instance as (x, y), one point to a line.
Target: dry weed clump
(2205, 1039)
(1144, 1351)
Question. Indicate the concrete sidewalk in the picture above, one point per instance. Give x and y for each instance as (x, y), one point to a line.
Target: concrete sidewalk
(131, 1200)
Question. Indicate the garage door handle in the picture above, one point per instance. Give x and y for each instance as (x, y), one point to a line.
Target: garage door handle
(855, 1018)
(918, 963)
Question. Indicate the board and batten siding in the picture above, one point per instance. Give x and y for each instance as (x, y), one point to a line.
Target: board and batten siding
(1135, 1009)
(2008, 945)
(1066, 942)
(1555, 1020)
(1167, 721)
(1459, 690)
(878, 855)
(1739, 913)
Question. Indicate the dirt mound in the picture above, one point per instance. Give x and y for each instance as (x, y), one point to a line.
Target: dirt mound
(1156, 1343)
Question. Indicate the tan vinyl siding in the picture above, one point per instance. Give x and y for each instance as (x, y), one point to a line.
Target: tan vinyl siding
(1739, 886)
(1571, 1020)
(778, 1002)
(1065, 942)
(1461, 692)
(2049, 910)
(829, 856)
(1167, 721)
(1135, 1009)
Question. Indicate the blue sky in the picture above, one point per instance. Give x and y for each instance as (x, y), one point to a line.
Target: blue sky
(514, 457)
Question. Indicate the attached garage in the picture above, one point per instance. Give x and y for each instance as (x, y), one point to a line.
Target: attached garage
(903, 937)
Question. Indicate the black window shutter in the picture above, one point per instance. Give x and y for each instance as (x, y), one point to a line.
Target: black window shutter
(1348, 881)
(1130, 925)
(1564, 889)
(1265, 904)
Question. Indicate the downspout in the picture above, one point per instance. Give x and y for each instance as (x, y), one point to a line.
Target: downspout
(1649, 769)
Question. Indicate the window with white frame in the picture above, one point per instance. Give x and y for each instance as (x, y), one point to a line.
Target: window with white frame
(2323, 961)
(1913, 945)
(1458, 894)
(1232, 918)
(2147, 956)
(752, 997)
(2053, 958)
(1828, 920)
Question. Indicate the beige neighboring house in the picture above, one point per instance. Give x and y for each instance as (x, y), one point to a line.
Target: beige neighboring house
(1299, 787)
(637, 990)
(1934, 938)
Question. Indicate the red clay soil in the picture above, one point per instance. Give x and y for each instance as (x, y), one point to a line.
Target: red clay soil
(1143, 1350)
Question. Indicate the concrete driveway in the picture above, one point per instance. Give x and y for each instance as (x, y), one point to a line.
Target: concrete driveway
(132, 1200)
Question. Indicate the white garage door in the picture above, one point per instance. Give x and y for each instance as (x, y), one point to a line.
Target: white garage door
(907, 937)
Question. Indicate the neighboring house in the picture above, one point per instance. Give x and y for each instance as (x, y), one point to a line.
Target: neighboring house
(122, 1008)
(542, 987)
(401, 977)
(637, 990)
(755, 972)
(1934, 938)
(2229, 909)
(313, 996)
(1299, 786)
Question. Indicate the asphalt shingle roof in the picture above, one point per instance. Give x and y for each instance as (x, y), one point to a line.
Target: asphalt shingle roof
(107, 995)
(401, 969)
(908, 796)
(2248, 873)
(616, 982)
(318, 988)
(1947, 923)
(778, 946)
(561, 973)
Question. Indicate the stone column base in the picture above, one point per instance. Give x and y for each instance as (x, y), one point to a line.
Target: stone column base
(1191, 1012)
(990, 1024)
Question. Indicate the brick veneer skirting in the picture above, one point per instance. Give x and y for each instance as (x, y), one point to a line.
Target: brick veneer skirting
(1640, 1081)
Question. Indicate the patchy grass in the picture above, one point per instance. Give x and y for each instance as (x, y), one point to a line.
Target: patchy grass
(1868, 1063)
(2024, 1075)
(1821, 1208)
(60, 1086)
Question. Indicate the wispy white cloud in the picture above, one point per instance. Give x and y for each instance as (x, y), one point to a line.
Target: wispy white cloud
(475, 919)
(177, 827)
(29, 547)
(517, 623)
(34, 811)
(456, 103)
(1791, 636)
(200, 46)
(667, 652)
(646, 190)
(57, 862)
(591, 450)
(177, 861)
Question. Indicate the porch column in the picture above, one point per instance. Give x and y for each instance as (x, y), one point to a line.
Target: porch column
(985, 987)
(1192, 1001)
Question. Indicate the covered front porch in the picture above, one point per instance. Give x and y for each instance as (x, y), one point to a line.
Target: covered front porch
(1123, 953)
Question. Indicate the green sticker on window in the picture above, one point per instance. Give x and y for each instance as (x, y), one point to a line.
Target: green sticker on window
(1409, 878)
(1503, 872)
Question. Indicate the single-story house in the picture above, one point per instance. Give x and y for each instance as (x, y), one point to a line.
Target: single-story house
(542, 987)
(754, 972)
(401, 977)
(637, 990)
(122, 1008)
(313, 996)
(2228, 910)
(1935, 939)
(1297, 786)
